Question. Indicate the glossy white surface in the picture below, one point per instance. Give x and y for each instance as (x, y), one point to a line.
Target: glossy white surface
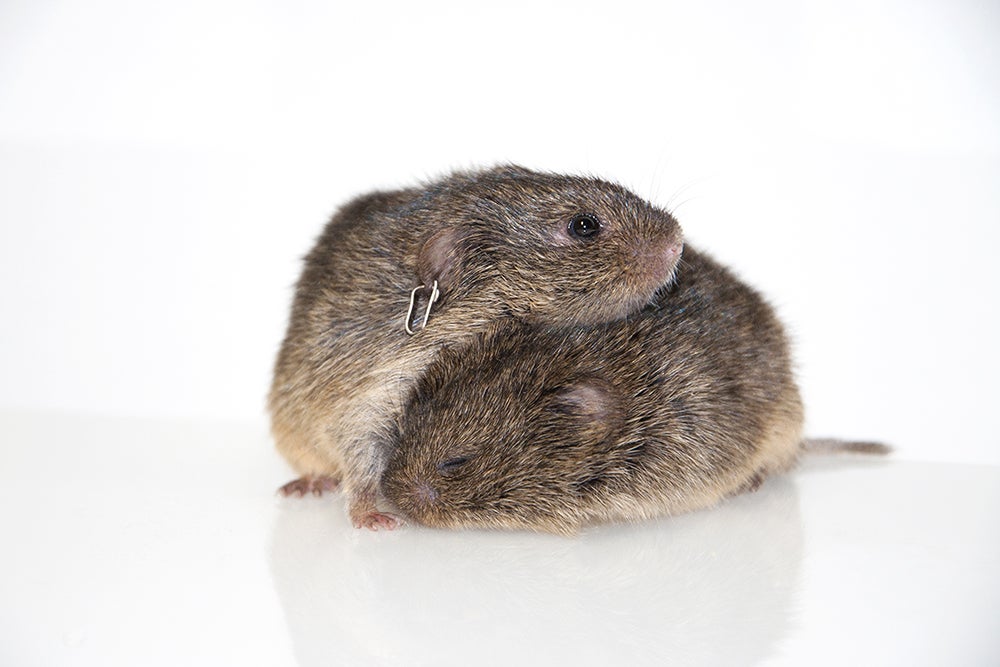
(146, 542)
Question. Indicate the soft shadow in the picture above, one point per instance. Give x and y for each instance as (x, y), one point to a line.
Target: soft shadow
(712, 588)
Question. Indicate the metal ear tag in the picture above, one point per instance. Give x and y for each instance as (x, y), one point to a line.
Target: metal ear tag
(435, 293)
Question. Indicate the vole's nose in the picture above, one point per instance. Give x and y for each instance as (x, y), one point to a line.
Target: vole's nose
(423, 493)
(659, 259)
(669, 253)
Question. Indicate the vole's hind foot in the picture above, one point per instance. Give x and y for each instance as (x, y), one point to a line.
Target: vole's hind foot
(751, 484)
(314, 484)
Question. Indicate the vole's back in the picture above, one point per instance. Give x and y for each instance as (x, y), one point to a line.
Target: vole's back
(689, 401)
(712, 387)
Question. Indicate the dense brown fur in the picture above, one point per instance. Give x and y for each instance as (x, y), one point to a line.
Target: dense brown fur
(499, 245)
(688, 402)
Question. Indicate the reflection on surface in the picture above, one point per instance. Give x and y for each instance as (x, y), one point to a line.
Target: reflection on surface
(714, 587)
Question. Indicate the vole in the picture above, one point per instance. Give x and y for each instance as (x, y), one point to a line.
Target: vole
(546, 428)
(443, 261)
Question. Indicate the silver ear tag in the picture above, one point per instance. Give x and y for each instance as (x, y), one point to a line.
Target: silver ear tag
(435, 293)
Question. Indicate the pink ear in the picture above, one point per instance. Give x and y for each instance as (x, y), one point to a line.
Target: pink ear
(439, 258)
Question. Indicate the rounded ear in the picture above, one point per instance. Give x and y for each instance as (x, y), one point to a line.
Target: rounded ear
(592, 401)
(440, 258)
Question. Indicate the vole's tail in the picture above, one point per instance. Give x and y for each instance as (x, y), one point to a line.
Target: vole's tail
(834, 446)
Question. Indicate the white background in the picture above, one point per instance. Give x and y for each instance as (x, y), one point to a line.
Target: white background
(163, 167)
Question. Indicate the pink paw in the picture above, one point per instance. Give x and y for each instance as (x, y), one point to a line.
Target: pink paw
(316, 485)
(376, 521)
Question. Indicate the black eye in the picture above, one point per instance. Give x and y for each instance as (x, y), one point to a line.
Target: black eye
(584, 226)
(451, 464)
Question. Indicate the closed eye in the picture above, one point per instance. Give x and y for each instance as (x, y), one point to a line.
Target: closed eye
(451, 464)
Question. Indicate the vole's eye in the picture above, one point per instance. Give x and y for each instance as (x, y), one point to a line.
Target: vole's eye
(584, 226)
(451, 464)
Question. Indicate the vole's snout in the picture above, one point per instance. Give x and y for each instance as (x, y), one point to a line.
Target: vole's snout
(659, 259)
(672, 251)
(423, 494)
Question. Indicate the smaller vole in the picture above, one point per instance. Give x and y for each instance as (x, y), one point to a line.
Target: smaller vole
(545, 428)
(451, 256)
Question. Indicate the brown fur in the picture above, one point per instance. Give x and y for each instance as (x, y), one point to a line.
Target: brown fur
(836, 446)
(497, 241)
(544, 428)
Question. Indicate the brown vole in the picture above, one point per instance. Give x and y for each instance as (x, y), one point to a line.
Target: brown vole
(550, 428)
(506, 242)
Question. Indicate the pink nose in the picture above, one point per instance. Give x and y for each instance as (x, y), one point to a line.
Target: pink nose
(658, 260)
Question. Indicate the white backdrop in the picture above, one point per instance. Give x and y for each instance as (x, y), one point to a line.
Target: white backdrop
(163, 166)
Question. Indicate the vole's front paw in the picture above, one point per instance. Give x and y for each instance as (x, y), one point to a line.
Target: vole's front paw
(376, 521)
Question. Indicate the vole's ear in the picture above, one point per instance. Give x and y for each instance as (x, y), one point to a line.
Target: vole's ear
(440, 258)
(593, 402)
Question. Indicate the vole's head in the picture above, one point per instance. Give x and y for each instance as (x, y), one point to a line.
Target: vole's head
(550, 248)
(488, 439)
